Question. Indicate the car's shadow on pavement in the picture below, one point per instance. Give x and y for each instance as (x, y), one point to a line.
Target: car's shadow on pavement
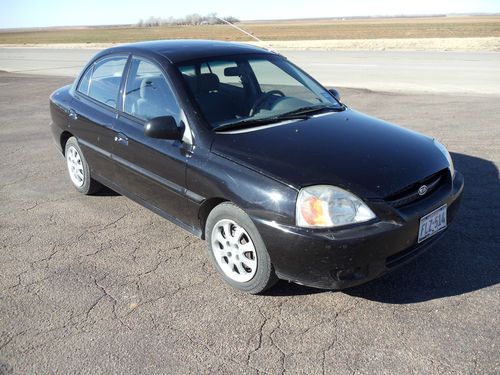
(466, 259)
(106, 192)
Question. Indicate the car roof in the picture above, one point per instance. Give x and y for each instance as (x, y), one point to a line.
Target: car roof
(180, 50)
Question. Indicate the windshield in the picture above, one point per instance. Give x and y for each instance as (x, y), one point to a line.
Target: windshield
(249, 89)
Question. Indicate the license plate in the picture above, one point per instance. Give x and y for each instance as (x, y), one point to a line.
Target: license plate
(432, 223)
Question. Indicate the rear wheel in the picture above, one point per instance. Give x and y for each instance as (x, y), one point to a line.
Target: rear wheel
(78, 169)
(238, 251)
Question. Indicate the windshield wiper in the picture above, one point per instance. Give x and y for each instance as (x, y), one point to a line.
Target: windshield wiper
(312, 109)
(260, 121)
(298, 114)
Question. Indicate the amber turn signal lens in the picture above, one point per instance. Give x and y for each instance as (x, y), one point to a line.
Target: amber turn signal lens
(313, 212)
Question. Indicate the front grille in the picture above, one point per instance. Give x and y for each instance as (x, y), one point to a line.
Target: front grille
(410, 193)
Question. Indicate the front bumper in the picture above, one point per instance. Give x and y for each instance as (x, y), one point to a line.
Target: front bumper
(345, 257)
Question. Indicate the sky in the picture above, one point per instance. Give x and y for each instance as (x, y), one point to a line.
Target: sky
(42, 13)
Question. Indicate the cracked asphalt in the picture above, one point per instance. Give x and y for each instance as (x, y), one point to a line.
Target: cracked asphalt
(101, 285)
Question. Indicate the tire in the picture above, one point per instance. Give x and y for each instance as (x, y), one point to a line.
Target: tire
(78, 169)
(241, 257)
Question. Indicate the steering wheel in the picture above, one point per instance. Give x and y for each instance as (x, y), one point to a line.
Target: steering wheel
(261, 100)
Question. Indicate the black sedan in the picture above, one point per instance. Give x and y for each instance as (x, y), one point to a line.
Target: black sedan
(242, 148)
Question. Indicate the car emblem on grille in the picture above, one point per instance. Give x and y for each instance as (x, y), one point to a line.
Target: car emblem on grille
(422, 190)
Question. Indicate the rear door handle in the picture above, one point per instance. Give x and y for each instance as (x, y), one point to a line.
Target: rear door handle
(122, 139)
(72, 114)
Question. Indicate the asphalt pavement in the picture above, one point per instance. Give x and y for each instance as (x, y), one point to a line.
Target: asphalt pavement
(416, 71)
(98, 284)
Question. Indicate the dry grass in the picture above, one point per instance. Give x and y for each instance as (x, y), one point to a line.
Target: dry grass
(389, 28)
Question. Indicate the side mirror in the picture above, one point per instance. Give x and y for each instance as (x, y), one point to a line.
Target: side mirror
(163, 127)
(335, 94)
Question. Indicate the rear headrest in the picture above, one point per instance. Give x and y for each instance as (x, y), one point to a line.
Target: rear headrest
(208, 82)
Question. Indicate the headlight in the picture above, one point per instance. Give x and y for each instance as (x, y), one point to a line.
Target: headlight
(447, 155)
(329, 206)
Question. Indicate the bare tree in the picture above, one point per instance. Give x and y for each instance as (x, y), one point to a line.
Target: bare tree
(190, 19)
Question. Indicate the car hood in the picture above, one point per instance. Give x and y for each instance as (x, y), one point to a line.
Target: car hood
(364, 155)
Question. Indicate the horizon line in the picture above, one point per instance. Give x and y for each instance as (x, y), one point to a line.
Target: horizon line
(423, 15)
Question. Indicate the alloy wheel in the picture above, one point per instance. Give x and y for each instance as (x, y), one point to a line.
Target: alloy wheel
(234, 250)
(75, 166)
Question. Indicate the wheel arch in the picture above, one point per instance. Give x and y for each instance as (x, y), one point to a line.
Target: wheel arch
(63, 139)
(206, 207)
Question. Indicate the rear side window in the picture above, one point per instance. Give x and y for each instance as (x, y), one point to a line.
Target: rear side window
(84, 85)
(102, 81)
(148, 93)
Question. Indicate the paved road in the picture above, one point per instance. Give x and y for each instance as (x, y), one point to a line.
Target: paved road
(460, 72)
(101, 285)
(446, 72)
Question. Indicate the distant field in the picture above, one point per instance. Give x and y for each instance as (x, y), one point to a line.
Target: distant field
(388, 28)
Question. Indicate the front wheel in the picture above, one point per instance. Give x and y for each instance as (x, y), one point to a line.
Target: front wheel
(237, 250)
(78, 169)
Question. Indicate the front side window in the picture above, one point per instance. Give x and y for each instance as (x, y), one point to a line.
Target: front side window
(102, 81)
(147, 93)
(247, 89)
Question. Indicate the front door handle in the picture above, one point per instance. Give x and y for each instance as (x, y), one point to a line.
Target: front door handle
(122, 139)
(72, 114)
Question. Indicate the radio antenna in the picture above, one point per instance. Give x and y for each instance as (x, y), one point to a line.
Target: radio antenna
(246, 32)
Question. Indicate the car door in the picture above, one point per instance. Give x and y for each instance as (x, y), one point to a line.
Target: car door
(94, 110)
(151, 169)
